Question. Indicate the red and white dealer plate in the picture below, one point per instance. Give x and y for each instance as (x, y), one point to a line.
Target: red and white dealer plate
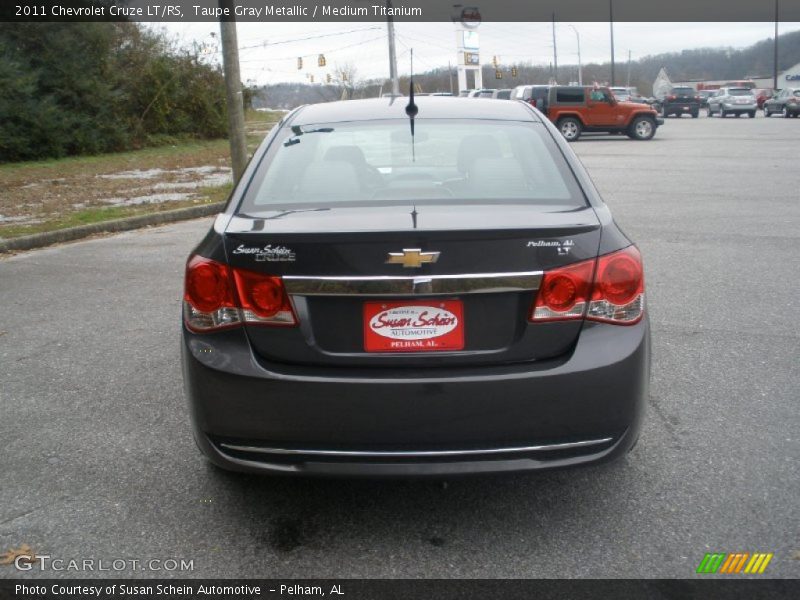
(414, 326)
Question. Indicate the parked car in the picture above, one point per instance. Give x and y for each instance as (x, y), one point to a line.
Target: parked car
(704, 95)
(535, 95)
(500, 325)
(483, 93)
(733, 101)
(622, 94)
(502, 94)
(786, 102)
(762, 95)
(465, 93)
(576, 109)
(681, 100)
(628, 94)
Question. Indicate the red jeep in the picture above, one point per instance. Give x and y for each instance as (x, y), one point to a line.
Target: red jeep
(577, 109)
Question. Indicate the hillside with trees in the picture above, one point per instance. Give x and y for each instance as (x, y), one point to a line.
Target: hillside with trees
(87, 88)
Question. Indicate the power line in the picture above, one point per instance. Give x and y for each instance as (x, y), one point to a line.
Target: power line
(265, 43)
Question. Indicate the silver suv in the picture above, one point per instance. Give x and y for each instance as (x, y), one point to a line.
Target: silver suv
(733, 101)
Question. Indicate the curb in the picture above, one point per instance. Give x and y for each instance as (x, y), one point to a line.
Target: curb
(69, 234)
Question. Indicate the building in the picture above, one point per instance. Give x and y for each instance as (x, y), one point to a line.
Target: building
(788, 78)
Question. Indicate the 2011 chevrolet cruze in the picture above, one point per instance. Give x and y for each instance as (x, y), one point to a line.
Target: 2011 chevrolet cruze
(401, 288)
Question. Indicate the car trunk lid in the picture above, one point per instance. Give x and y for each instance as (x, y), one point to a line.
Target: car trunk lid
(338, 268)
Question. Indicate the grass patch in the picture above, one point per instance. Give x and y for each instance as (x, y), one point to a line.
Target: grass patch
(89, 216)
(109, 163)
(264, 116)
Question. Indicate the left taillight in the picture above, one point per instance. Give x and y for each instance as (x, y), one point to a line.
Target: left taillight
(217, 296)
(609, 289)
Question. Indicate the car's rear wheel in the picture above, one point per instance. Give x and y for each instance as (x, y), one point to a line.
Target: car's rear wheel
(766, 112)
(722, 113)
(642, 128)
(785, 113)
(570, 128)
(695, 114)
(752, 114)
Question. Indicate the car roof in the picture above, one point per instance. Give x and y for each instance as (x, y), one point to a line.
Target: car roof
(430, 107)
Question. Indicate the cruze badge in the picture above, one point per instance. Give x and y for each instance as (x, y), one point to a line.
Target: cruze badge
(412, 258)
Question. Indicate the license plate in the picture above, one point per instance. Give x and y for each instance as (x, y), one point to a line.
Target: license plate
(414, 326)
(685, 108)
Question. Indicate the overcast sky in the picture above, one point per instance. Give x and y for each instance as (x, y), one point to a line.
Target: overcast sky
(269, 51)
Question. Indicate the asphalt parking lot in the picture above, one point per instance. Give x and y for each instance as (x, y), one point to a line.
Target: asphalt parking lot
(98, 461)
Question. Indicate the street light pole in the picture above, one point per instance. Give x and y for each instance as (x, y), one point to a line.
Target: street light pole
(392, 52)
(555, 51)
(580, 67)
(775, 58)
(611, 24)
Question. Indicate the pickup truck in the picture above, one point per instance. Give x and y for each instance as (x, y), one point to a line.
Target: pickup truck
(576, 109)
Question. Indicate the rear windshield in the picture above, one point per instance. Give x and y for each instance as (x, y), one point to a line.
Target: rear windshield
(683, 90)
(740, 92)
(450, 160)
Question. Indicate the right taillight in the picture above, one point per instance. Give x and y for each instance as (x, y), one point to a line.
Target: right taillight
(217, 296)
(609, 289)
(618, 291)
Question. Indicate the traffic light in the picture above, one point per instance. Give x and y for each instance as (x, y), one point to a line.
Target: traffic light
(299, 63)
(321, 62)
(498, 74)
(514, 71)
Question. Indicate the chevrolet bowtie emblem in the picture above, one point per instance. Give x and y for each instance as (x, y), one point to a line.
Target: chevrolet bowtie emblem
(411, 258)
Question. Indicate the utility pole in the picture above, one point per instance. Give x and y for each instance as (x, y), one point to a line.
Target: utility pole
(450, 75)
(233, 90)
(775, 49)
(580, 67)
(611, 24)
(555, 52)
(628, 84)
(392, 52)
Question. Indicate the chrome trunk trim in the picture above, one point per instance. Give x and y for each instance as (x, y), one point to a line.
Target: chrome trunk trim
(412, 453)
(388, 285)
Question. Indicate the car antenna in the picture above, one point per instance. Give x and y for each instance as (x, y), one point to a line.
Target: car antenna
(411, 108)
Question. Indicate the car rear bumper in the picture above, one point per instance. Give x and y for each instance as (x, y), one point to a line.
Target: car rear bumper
(256, 417)
(740, 108)
(681, 108)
